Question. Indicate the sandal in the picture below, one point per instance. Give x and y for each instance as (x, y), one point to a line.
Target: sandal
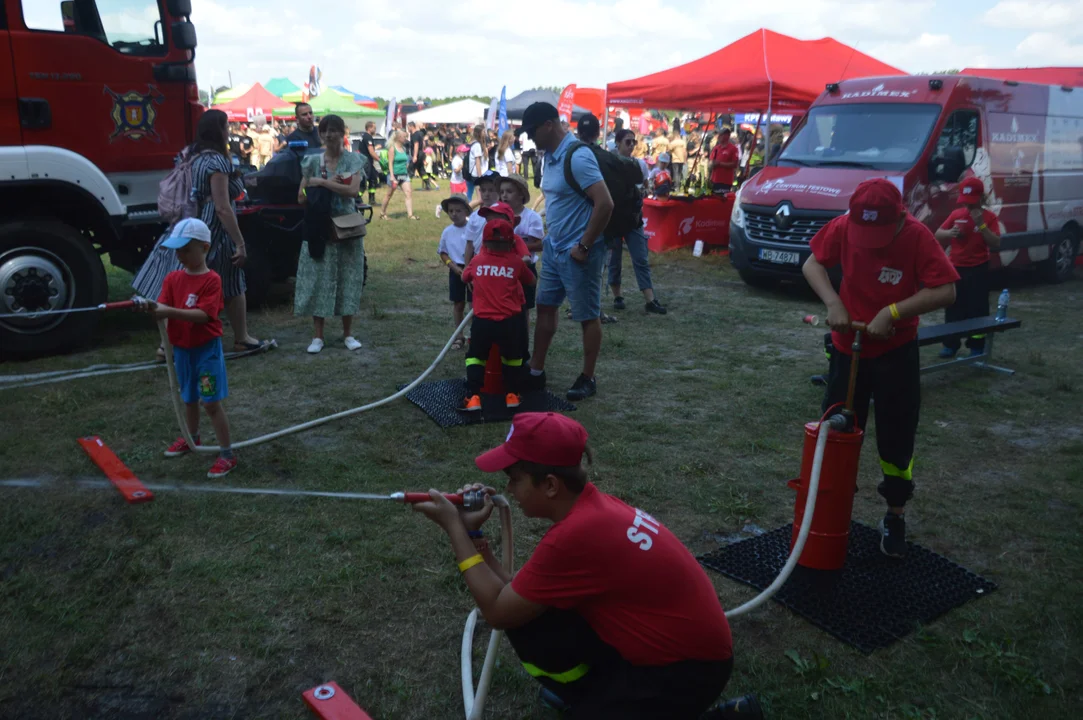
(251, 346)
(159, 355)
(459, 344)
(414, 217)
(383, 216)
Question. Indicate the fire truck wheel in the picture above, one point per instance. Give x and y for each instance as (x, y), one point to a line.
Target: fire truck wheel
(47, 265)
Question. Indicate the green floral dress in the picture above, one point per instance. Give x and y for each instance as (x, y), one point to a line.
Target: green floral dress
(331, 286)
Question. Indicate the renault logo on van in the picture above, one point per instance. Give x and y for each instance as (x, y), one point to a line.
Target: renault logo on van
(782, 216)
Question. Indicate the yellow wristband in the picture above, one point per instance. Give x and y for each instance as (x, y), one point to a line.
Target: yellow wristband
(471, 562)
(447, 261)
(983, 226)
(894, 311)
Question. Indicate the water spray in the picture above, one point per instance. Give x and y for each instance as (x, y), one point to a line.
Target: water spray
(34, 314)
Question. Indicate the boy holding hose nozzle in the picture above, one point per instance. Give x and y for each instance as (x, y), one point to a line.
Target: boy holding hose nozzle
(611, 614)
(893, 271)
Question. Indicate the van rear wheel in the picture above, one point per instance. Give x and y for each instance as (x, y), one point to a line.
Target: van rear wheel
(1058, 267)
(47, 265)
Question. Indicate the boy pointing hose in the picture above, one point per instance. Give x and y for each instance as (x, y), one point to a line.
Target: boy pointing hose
(611, 614)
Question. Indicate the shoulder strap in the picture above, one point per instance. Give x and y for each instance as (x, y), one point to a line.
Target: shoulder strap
(569, 176)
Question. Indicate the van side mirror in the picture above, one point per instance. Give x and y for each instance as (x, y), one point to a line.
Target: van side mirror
(947, 167)
(179, 8)
(184, 35)
(67, 12)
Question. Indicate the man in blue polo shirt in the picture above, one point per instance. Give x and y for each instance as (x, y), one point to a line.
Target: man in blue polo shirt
(572, 256)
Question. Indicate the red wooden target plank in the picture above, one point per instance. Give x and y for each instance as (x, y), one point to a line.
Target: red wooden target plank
(330, 702)
(118, 473)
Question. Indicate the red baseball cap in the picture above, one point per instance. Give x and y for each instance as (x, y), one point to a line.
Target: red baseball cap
(971, 191)
(875, 209)
(545, 438)
(498, 230)
(500, 209)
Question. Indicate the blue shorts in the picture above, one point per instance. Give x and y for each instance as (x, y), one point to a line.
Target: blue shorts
(201, 373)
(562, 276)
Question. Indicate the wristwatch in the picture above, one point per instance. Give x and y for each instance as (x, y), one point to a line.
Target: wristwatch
(583, 247)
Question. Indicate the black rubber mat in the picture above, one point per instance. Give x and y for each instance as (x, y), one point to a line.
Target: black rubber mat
(442, 399)
(872, 602)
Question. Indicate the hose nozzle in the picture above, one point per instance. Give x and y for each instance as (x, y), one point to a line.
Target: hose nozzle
(470, 500)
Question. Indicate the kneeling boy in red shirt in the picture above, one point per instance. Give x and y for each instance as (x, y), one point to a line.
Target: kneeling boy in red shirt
(498, 275)
(611, 613)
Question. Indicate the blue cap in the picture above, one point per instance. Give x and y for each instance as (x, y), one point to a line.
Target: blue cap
(185, 231)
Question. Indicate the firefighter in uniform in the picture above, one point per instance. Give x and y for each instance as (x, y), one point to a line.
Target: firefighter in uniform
(893, 271)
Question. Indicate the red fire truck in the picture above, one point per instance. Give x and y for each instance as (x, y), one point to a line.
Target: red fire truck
(96, 99)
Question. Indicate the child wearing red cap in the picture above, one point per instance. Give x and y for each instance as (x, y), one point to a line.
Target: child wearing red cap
(611, 613)
(969, 233)
(893, 271)
(498, 273)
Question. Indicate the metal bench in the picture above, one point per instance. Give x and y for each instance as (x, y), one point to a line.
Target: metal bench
(988, 326)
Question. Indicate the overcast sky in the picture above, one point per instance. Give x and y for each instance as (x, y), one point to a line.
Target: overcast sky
(439, 48)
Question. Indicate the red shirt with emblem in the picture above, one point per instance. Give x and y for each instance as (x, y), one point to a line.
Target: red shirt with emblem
(498, 279)
(185, 291)
(970, 248)
(724, 153)
(872, 279)
(631, 579)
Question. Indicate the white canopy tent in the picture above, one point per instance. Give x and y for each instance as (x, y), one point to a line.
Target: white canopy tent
(459, 112)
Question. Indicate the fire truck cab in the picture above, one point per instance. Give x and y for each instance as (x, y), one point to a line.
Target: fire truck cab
(97, 97)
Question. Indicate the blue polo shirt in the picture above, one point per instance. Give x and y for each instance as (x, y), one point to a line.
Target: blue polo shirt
(567, 213)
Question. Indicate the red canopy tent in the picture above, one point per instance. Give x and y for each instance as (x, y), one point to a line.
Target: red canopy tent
(762, 70)
(257, 101)
(1063, 76)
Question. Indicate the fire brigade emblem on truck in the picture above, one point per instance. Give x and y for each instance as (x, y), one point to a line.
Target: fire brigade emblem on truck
(134, 114)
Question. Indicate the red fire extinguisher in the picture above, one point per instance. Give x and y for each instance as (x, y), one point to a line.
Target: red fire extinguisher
(829, 535)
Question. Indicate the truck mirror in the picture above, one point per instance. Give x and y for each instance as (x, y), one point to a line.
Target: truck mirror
(67, 12)
(184, 35)
(179, 8)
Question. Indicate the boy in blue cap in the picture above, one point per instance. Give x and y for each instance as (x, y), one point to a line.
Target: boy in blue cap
(191, 300)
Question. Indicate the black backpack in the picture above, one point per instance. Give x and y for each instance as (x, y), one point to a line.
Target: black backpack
(621, 176)
(468, 164)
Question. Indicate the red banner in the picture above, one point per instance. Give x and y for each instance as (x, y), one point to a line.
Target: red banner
(564, 106)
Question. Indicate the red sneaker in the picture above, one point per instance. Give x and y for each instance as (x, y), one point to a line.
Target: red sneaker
(178, 448)
(222, 467)
(472, 403)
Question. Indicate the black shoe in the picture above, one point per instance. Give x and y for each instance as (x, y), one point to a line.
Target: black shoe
(745, 707)
(893, 535)
(583, 388)
(818, 380)
(655, 307)
(534, 383)
(618, 303)
(551, 700)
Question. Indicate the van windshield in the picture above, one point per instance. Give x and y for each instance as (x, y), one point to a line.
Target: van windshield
(879, 136)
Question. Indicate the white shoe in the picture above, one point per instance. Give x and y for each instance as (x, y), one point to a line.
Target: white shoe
(315, 346)
(352, 343)
(439, 211)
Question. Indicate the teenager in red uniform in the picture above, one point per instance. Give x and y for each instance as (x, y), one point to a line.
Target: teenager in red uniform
(498, 273)
(971, 231)
(724, 161)
(893, 271)
(610, 613)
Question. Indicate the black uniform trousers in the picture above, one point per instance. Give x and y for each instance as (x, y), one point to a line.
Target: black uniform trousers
(505, 334)
(894, 381)
(561, 651)
(971, 301)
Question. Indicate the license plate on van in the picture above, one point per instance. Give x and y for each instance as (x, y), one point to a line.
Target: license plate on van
(780, 257)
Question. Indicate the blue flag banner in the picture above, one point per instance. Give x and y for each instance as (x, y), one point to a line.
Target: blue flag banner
(503, 110)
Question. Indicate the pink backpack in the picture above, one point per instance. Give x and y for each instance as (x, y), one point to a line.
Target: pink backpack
(175, 199)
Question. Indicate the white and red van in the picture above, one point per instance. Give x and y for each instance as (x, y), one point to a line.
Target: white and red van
(924, 133)
(96, 99)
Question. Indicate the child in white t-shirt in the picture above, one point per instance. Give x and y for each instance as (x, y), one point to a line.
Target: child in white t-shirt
(452, 251)
(458, 182)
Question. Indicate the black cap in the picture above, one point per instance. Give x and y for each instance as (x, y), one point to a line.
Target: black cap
(536, 114)
(589, 128)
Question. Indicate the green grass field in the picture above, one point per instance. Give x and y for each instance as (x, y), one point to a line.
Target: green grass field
(230, 606)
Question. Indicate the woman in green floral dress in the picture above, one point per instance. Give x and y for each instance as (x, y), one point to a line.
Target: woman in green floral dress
(331, 286)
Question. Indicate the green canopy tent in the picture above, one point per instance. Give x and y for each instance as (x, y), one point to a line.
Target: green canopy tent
(231, 94)
(281, 87)
(332, 102)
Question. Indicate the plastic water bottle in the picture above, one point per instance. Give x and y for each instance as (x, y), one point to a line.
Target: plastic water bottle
(1002, 305)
